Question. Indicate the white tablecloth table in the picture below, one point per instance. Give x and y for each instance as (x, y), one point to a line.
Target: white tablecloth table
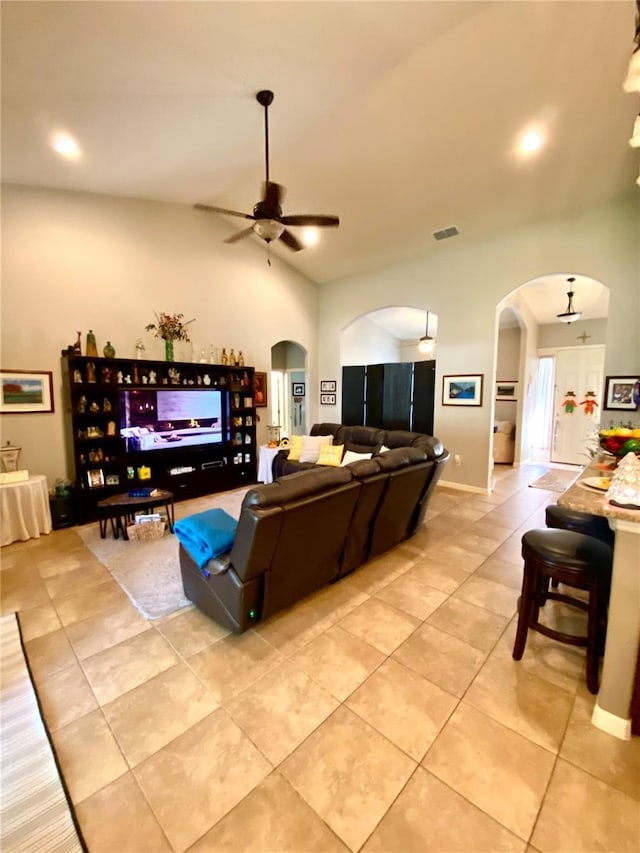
(25, 509)
(265, 462)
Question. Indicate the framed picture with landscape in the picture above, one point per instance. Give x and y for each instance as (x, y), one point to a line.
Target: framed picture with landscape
(462, 390)
(26, 392)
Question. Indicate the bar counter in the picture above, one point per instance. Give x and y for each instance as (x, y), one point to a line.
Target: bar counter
(611, 712)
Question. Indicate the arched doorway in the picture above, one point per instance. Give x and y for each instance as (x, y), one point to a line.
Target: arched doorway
(289, 388)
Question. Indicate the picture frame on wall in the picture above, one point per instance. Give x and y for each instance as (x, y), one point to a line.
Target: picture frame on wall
(506, 389)
(327, 399)
(298, 389)
(95, 478)
(328, 385)
(259, 389)
(26, 391)
(622, 393)
(462, 390)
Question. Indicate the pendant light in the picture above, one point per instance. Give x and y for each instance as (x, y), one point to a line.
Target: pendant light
(426, 342)
(569, 315)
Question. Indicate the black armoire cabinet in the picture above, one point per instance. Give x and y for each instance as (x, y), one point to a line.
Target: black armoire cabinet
(390, 396)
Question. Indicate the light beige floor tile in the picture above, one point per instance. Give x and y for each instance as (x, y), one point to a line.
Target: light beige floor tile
(273, 817)
(196, 779)
(582, 813)
(106, 629)
(499, 771)
(77, 579)
(280, 710)
(118, 819)
(88, 602)
(349, 774)
(55, 560)
(233, 663)
(428, 817)
(500, 571)
(21, 588)
(412, 595)
(403, 706)
(468, 622)
(522, 701)
(191, 631)
(38, 621)
(488, 531)
(338, 661)
(460, 556)
(49, 654)
(614, 761)
(510, 552)
(458, 512)
(379, 572)
(438, 575)
(88, 755)
(66, 696)
(132, 662)
(490, 595)
(441, 658)
(379, 624)
(146, 718)
(557, 663)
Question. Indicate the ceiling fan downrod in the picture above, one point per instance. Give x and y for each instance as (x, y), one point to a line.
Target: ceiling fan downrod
(265, 99)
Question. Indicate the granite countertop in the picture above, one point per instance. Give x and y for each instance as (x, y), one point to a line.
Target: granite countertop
(585, 499)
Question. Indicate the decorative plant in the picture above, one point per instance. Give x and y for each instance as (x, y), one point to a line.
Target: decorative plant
(170, 327)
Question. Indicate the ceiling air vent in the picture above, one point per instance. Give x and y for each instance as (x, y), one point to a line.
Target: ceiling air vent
(451, 231)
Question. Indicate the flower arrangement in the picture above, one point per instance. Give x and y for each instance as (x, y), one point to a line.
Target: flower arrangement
(170, 327)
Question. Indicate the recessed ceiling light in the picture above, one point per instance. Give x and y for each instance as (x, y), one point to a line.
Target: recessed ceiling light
(66, 146)
(530, 142)
(310, 236)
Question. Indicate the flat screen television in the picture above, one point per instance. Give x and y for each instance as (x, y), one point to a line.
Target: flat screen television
(171, 419)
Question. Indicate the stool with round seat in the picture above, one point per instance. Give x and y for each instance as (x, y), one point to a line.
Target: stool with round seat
(563, 518)
(575, 560)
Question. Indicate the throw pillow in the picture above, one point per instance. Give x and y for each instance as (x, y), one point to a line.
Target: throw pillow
(330, 454)
(351, 456)
(311, 445)
(383, 449)
(295, 448)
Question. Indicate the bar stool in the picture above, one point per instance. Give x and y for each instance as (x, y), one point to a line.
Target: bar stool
(575, 560)
(563, 518)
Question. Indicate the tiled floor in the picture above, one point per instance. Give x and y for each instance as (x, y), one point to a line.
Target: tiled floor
(382, 713)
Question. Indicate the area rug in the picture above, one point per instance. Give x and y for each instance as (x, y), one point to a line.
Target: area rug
(555, 481)
(149, 571)
(35, 814)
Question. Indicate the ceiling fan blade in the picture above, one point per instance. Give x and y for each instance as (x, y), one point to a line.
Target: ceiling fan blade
(292, 242)
(272, 193)
(223, 210)
(309, 219)
(240, 235)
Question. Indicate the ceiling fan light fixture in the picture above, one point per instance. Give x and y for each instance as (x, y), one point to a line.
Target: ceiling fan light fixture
(427, 342)
(570, 315)
(268, 229)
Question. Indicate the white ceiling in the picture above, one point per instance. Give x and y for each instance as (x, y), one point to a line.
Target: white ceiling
(400, 117)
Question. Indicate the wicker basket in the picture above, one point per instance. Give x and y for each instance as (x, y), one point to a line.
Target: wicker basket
(144, 532)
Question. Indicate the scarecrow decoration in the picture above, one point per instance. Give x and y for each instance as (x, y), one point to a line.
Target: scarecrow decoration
(589, 403)
(570, 402)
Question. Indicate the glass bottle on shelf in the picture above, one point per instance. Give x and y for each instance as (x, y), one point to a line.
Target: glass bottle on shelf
(203, 356)
(224, 358)
(92, 348)
(240, 359)
(232, 357)
(140, 348)
(108, 351)
(214, 355)
(77, 347)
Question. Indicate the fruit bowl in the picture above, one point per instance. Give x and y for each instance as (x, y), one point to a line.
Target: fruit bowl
(618, 442)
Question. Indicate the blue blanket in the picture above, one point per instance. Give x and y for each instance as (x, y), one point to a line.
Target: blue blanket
(206, 534)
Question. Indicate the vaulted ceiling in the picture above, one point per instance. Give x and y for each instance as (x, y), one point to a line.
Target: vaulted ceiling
(400, 117)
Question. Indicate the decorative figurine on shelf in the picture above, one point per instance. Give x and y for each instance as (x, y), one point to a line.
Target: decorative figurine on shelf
(111, 428)
(77, 376)
(245, 379)
(106, 405)
(214, 355)
(127, 380)
(224, 358)
(152, 377)
(105, 373)
(203, 356)
(92, 348)
(174, 376)
(108, 350)
(207, 379)
(77, 347)
(140, 348)
(120, 377)
(94, 407)
(145, 379)
(240, 361)
(82, 405)
(91, 372)
(136, 376)
(232, 357)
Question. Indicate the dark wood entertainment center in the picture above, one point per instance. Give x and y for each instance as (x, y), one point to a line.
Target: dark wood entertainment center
(102, 462)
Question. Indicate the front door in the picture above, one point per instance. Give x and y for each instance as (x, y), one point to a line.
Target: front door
(577, 403)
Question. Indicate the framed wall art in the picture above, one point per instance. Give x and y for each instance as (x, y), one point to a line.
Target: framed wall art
(26, 391)
(622, 393)
(506, 389)
(327, 399)
(329, 385)
(462, 390)
(259, 389)
(297, 389)
(95, 478)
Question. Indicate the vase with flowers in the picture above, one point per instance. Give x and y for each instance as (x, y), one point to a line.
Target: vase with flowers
(170, 327)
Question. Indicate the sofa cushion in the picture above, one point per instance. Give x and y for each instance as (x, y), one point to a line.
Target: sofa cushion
(311, 445)
(295, 448)
(295, 486)
(351, 456)
(330, 454)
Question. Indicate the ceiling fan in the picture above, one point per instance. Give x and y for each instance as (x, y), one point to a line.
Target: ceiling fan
(267, 219)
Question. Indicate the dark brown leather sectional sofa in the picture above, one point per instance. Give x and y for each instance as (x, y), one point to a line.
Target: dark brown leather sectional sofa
(315, 526)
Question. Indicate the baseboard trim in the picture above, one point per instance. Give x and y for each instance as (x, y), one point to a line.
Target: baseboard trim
(608, 722)
(463, 487)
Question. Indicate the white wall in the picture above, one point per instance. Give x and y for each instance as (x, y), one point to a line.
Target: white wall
(507, 367)
(364, 342)
(77, 261)
(558, 335)
(463, 281)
